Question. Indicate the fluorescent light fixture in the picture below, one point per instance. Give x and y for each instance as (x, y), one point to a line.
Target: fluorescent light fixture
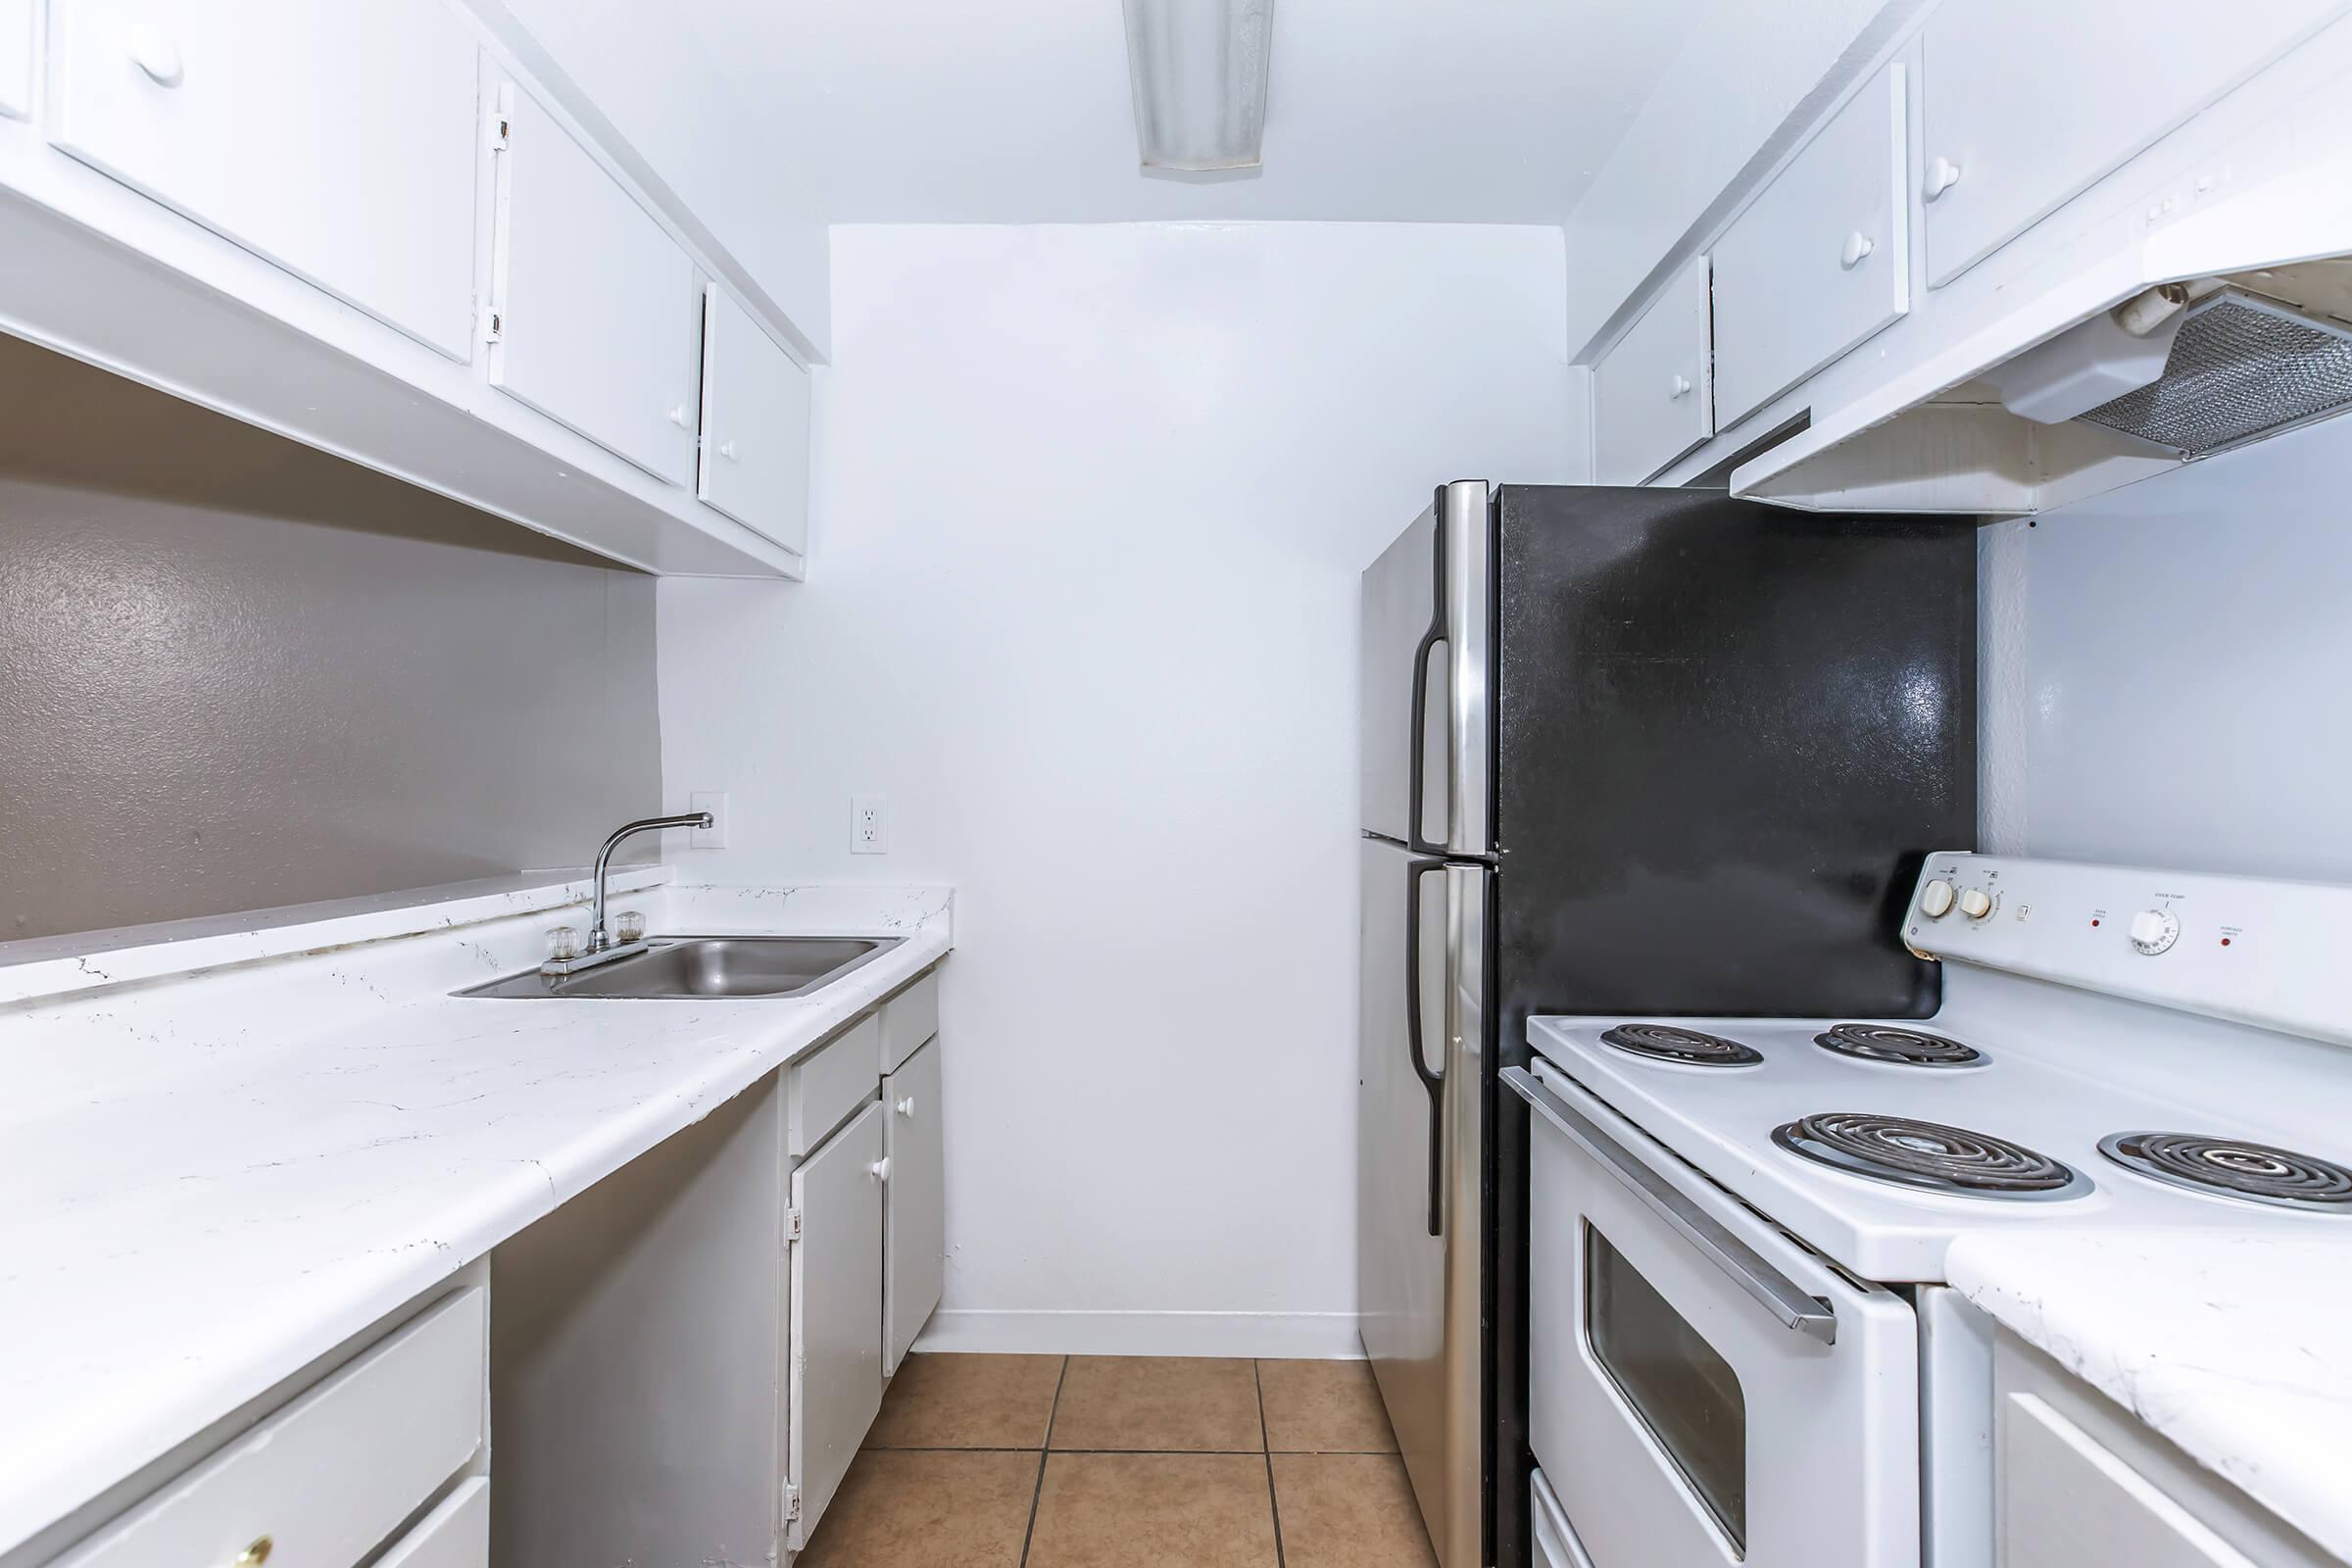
(1200, 72)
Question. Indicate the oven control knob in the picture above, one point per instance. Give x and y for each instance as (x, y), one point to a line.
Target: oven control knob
(1975, 904)
(2154, 931)
(1935, 900)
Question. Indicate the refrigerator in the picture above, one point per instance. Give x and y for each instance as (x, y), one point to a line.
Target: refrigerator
(1637, 752)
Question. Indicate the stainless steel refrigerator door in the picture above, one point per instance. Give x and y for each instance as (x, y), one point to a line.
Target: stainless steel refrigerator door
(1426, 637)
(1419, 1220)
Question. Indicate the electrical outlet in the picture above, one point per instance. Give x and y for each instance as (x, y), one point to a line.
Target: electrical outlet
(714, 837)
(869, 824)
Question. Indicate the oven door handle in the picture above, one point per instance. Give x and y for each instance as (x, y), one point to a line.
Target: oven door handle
(1783, 1297)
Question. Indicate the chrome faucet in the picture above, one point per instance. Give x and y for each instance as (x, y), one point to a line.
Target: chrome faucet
(601, 946)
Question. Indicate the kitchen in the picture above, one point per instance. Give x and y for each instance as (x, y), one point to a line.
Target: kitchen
(990, 1137)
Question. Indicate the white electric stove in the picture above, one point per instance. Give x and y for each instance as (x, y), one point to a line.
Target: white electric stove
(1740, 1347)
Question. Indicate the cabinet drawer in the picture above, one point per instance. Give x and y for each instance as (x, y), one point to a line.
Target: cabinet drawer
(1820, 261)
(1651, 398)
(823, 1088)
(328, 1477)
(455, 1535)
(598, 309)
(2028, 105)
(755, 459)
(909, 1019)
(2065, 1500)
(340, 141)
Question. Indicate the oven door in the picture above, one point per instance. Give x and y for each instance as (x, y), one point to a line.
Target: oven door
(1702, 1390)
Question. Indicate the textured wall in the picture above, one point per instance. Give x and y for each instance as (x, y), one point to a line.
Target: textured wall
(2169, 668)
(235, 673)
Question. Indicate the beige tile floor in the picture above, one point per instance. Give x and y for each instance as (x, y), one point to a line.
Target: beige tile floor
(1049, 1461)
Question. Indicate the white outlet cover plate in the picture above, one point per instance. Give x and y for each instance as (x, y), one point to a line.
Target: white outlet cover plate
(869, 824)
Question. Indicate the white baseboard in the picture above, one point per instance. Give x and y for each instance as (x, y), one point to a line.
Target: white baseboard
(1274, 1336)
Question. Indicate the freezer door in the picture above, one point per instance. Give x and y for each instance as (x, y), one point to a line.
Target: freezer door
(1419, 1216)
(1428, 742)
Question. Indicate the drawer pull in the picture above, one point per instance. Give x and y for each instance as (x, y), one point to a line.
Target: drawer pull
(255, 1556)
(152, 52)
(1857, 246)
(1942, 175)
(1678, 387)
(907, 1108)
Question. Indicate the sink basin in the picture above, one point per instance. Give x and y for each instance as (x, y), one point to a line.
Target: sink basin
(701, 967)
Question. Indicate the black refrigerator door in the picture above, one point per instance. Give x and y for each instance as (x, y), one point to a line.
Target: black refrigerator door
(1726, 734)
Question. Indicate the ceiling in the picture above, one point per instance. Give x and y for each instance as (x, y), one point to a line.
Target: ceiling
(1018, 111)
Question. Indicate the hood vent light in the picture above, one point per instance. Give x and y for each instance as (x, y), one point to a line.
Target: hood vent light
(2241, 367)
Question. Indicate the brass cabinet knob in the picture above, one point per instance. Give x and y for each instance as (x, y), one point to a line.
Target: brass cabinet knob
(255, 1556)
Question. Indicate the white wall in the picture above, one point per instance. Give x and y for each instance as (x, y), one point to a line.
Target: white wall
(1090, 508)
(2167, 669)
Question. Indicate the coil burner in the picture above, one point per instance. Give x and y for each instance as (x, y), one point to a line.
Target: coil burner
(1927, 1155)
(2231, 1167)
(1664, 1043)
(1907, 1047)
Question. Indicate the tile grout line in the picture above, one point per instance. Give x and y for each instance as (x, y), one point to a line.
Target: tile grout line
(1257, 1381)
(1038, 1492)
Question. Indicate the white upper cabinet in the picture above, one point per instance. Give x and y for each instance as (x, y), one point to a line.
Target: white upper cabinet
(1652, 399)
(340, 141)
(1819, 262)
(754, 464)
(598, 307)
(2028, 105)
(16, 58)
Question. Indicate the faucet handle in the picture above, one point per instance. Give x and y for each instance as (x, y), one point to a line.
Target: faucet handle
(628, 926)
(562, 942)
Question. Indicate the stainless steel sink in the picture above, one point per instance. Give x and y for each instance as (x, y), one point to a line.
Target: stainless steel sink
(703, 968)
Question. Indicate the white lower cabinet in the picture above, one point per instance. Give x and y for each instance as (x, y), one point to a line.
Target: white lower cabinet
(326, 1479)
(836, 1317)
(915, 1218)
(596, 304)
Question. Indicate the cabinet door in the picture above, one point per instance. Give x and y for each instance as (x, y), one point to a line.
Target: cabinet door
(2066, 1501)
(1818, 262)
(836, 1311)
(1651, 398)
(339, 141)
(754, 425)
(2029, 104)
(916, 1240)
(16, 58)
(598, 308)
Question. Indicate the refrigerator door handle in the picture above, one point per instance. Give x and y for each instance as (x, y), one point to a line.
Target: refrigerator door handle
(1416, 781)
(1434, 1082)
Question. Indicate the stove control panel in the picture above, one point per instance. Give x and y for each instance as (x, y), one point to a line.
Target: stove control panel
(2261, 951)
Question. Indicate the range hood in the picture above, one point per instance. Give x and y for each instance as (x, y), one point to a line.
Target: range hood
(2137, 349)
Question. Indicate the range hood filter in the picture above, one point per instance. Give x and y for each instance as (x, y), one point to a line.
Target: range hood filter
(2240, 369)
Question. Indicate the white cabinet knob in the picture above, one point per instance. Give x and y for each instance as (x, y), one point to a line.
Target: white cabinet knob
(1975, 904)
(2154, 931)
(726, 450)
(677, 415)
(1942, 175)
(906, 1108)
(152, 52)
(1935, 900)
(1857, 246)
(1678, 387)
(880, 1168)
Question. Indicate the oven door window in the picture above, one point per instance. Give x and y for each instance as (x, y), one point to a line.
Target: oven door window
(1686, 1395)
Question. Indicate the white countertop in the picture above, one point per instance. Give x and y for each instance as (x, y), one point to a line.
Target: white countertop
(2231, 1346)
(211, 1179)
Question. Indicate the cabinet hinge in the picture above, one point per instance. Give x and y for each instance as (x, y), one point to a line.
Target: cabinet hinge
(494, 324)
(502, 131)
(792, 1224)
(791, 1503)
